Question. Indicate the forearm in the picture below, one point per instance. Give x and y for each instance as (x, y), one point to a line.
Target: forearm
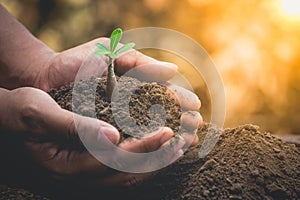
(22, 56)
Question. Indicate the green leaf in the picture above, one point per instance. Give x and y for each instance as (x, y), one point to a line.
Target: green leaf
(113, 55)
(124, 48)
(102, 52)
(101, 46)
(115, 39)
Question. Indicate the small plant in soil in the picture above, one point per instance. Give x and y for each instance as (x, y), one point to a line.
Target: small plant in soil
(112, 53)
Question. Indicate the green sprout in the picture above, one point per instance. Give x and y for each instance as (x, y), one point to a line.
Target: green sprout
(112, 54)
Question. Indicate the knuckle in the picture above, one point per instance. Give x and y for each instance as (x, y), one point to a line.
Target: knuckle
(29, 115)
(29, 110)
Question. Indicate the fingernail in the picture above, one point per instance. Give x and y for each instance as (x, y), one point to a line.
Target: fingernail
(111, 134)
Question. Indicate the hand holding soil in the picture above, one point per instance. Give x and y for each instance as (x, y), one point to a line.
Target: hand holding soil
(39, 136)
(47, 134)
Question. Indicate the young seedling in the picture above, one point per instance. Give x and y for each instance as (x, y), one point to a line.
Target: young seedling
(112, 54)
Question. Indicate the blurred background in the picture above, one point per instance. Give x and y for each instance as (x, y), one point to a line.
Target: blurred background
(255, 45)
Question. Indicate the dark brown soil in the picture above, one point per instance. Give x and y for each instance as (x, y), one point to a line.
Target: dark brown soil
(244, 163)
(16, 193)
(139, 95)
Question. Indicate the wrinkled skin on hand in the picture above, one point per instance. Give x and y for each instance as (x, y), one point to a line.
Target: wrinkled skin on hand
(44, 132)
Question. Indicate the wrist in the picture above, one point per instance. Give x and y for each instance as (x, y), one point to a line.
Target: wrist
(23, 58)
(26, 67)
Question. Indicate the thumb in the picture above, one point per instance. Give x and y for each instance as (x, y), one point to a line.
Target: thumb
(90, 131)
(40, 116)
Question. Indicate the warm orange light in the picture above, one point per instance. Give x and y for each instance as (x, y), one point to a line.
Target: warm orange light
(198, 2)
(156, 5)
(291, 7)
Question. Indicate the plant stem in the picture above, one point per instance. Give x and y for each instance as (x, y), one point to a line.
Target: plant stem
(111, 81)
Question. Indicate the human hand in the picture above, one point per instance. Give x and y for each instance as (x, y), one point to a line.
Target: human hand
(48, 141)
(66, 65)
(36, 122)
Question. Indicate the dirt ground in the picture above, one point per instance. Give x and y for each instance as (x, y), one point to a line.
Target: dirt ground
(244, 163)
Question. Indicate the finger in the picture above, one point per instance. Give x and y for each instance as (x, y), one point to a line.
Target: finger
(147, 154)
(191, 120)
(94, 132)
(145, 67)
(190, 138)
(148, 144)
(172, 152)
(185, 98)
(174, 145)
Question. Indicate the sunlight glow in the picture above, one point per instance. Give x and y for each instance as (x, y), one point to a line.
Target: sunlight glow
(198, 2)
(291, 7)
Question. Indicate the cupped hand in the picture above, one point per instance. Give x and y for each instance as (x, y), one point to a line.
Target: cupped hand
(49, 140)
(65, 66)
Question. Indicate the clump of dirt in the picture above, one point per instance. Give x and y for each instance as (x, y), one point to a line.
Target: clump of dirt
(138, 108)
(244, 163)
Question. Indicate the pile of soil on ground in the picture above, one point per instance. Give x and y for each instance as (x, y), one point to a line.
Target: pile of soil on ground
(243, 164)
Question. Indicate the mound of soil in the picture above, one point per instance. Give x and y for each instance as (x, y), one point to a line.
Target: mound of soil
(137, 107)
(243, 164)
